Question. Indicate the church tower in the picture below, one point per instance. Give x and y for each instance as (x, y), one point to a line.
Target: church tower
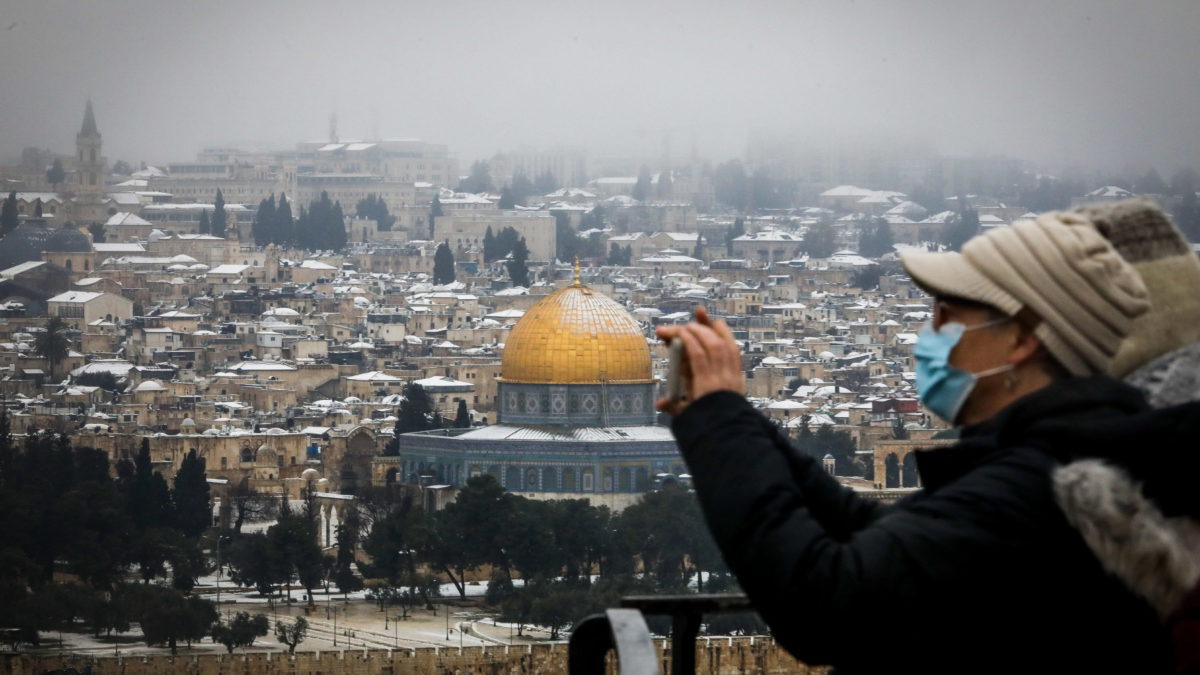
(89, 193)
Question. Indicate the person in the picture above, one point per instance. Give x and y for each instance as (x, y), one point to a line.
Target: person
(980, 570)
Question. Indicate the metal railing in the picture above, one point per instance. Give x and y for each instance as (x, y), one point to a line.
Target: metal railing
(625, 630)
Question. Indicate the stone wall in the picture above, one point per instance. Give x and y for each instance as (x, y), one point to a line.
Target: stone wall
(714, 656)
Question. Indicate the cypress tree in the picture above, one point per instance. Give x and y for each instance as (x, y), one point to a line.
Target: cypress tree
(283, 232)
(205, 227)
(518, 271)
(218, 217)
(192, 507)
(8, 214)
(416, 410)
(337, 227)
(443, 264)
(507, 203)
(641, 189)
(489, 246)
(462, 418)
(264, 221)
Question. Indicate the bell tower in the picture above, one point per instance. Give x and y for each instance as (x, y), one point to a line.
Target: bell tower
(89, 192)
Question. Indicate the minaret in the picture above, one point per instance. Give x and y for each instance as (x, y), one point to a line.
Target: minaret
(89, 193)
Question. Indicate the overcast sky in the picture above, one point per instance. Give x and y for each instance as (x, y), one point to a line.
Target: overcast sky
(1114, 83)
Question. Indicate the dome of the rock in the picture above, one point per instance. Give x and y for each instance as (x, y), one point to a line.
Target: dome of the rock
(576, 336)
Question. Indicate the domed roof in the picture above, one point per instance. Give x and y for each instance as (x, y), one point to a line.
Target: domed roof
(576, 336)
(23, 244)
(69, 240)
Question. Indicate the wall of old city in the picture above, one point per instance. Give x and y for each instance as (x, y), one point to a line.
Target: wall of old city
(715, 656)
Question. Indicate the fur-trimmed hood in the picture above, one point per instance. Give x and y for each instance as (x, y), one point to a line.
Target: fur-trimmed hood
(1120, 516)
(1157, 557)
(1170, 379)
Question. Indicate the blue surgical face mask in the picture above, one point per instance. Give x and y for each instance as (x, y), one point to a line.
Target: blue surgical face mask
(942, 387)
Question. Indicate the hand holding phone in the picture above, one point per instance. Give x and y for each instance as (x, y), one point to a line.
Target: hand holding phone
(675, 389)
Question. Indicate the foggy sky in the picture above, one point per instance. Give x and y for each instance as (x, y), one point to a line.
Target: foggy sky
(1095, 83)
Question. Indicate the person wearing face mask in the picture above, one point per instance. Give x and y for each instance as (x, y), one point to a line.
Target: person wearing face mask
(979, 571)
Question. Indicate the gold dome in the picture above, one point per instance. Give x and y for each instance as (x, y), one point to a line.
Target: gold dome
(576, 336)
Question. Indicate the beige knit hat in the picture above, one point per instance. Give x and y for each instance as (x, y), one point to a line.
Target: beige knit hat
(1145, 237)
(1058, 266)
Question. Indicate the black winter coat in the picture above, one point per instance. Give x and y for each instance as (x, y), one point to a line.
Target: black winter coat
(977, 572)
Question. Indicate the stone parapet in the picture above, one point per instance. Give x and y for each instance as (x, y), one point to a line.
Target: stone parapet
(714, 656)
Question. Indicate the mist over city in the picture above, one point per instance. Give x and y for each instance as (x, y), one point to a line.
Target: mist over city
(1103, 84)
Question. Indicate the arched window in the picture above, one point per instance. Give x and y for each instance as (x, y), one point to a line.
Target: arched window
(247, 455)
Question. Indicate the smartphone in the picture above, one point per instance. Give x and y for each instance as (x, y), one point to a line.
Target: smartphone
(675, 370)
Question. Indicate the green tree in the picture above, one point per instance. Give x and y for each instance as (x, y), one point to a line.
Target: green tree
(507, 202)
(579, 531)
(347, 539)
(264, 221)
(373, 207)
(97, 232)
(960, 230)
(545, 183)
(219, 218)
(566, 238)
(394, 544)
(443, 264)
(122, 168)
(242, 631)
(518, 271)
(522, 187)
(416, 410)
(462, 417)
(254, 562)
(291, 634)
(193, 508)
(489, 245)
(293, 540)
(284, 231)
(643, 189)
(614, 254)
(664, 185)
(471, 530)
(506, 242)
(167, 617)
(667, 531)
(819, 240)
(593, 220)
(322, 226)
(205, 226)
(55, 175)
(560, 605)
(8, 214)
(1151, 184)
(480, 179)
(37, 208)
(875, 238)
(52, 344)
